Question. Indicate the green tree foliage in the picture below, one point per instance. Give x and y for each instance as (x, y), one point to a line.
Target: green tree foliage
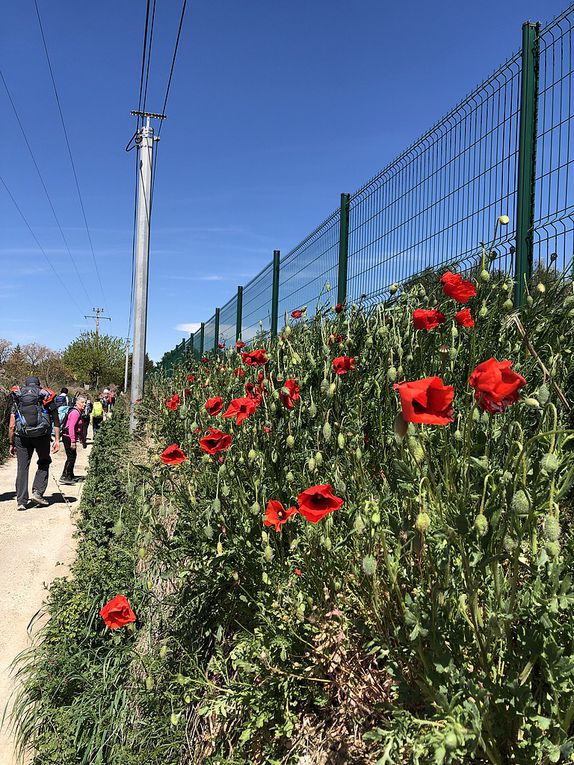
(96, 359)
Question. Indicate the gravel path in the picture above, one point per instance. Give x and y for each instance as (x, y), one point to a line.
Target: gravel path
(35, 547)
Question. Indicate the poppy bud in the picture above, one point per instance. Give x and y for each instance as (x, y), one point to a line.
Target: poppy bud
(450, 741)
(287, 331)
(551, 528)
(376, 518)
(141, 552)
(508, 305)
(264, 536)
(454, 331)
(481, 525)
(550, 463)
(290, 442)
(174, 719)
(341, 441)
(553, 549)
(311, 464)
(219, 548)
(163, 652)
(295, 359)
(326, 542)
(569, 301)
(332, 390)
(529, 301)
(393, 288)
(382, 331)
(319, 458)
(216, 505)
(369, 342)
(422, 523)
(149, 683)
(369, 565)
(484, 276)
(208, 532)
(324, 386)
(416, 449)
(391, 374)
(255, 508)
(273, 407)
(520, 503)
(483, 313)
(251, 455)
(452, 354)
(532, 402)
(327, 431)
(543, 394)
(358, 454)
(457, 435)
(505, 287)
(509, 544)
(289, 477)
(541, 288)
(359, 525)
(504, 220)
(312, 410)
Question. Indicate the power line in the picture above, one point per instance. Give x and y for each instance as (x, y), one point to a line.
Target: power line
(69, 149)
(144, 48)
(173, 61)
(42, 250)
(43, 184)
(143, 109)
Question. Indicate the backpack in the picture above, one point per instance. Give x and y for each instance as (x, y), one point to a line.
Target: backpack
(98, 409)
(32, 418)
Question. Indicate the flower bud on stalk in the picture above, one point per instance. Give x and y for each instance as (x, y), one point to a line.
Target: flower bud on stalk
(484, 276)
(289, 477)
(290, 442)
(481, 525)
(416, 449)
(311, 463)
(268, 554)
(341, 441)
(422, 523)
(391, 374)
(550, 463)
(332, 390)
(553, 549)
(369, 565)
(529, 301)
(359, 525)
(551, 528)
(319, 458)
(252, 455)
(508, 305)
(327, 431)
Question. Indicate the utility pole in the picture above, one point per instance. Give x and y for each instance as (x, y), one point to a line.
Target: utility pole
(97, 315)
(127, 363)
(144, 141)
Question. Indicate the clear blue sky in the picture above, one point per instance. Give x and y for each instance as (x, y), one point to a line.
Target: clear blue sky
(275, 108)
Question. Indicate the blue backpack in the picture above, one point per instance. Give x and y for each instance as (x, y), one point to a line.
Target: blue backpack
(32, 417)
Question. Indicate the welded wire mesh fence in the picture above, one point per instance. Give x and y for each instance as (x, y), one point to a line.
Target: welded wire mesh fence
(506, 149)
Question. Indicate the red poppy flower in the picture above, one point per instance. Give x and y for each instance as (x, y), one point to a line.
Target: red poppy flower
(187, 392)
(457, 288)
(205, 360)
(173, 402)
(214, 405)
(343, 364)
(297, 314)
(335, 339)
(255, 358)
(464, 318)
(239, 373)
(240, 408)
(289, 393)
(239, 345)
(495, 385)
(428, 401)
(173, 455)
(117, 612)
(190, 378)
(252, 392)
(276, 515)
(317, 501)
(197, 430)
(339, 308)
(221, 346)
(266, 429)
(215, 441)
(427, 319)
(298, 571)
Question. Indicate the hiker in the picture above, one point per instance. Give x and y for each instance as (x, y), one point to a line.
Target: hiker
(85, 417)
(111, 400)
(97, 416)
(63, 399)
(105, 399)
(33, 413)
(72, 434)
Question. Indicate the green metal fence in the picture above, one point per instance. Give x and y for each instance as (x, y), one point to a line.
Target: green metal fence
(506, 149)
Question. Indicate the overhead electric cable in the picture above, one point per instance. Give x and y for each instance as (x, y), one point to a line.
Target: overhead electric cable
(148, 57)
(173, 61)
(69, 149)
(144, 48)
(42, 250)
(27, 142)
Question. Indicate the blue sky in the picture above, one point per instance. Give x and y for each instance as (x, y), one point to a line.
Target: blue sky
(275, 108)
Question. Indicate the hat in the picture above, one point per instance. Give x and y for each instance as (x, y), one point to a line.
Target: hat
(32, 381)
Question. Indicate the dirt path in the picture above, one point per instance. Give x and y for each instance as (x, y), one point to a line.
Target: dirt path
(35, 547)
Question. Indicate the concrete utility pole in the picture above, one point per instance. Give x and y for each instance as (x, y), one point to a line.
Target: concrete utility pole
(97, 315)
(144, 140)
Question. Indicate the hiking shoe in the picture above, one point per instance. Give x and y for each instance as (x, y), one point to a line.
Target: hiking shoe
(40, 500)
(21, 506)
(67, 482)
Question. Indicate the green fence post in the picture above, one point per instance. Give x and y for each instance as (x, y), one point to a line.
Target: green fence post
(343, 248)
(275, 293)
(216, 338)
(239, 318)
(191, 348)
(526, 158)
(202, 338)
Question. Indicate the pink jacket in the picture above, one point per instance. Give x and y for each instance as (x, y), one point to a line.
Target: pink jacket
(75, 426)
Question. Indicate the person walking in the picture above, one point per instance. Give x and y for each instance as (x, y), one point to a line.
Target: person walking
(85, 417)
(97, 416)
(34, 411)
(72, 434)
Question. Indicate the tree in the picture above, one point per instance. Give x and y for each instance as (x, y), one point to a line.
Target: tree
(35, 354)
(96, 359)
(16, 366)
(5, 350)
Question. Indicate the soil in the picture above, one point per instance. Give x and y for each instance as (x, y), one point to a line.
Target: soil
(36, 546)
